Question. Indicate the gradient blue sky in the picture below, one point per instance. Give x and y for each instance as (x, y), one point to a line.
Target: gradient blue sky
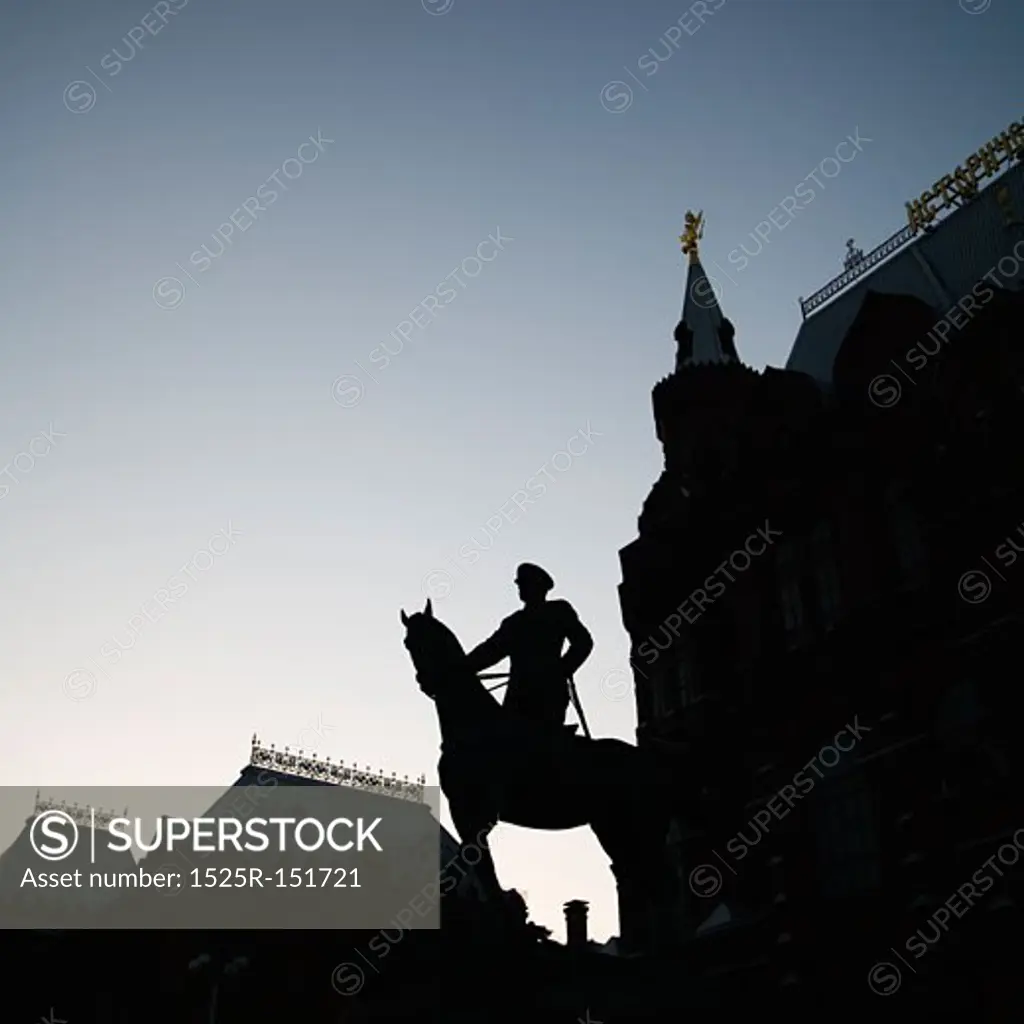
(447, 127)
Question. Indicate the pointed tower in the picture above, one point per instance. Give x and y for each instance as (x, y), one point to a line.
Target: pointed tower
(697, 408)
(694, 624)
(687, 525)
(703, 334)
(707, 418)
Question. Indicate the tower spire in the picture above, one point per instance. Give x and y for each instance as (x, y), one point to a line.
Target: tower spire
(703, 334)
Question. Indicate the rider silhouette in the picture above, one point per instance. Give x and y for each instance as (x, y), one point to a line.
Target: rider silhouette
(532, 639)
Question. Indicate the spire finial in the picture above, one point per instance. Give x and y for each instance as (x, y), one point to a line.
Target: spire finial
(693, 232)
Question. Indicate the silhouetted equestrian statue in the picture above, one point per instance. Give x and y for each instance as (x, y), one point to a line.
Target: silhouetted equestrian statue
(499, 766)
(540, 675)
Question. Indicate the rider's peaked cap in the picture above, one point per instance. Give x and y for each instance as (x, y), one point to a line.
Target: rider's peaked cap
(530, 573)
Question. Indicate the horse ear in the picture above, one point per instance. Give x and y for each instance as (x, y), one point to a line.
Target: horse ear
(428, 609)
(403, 617)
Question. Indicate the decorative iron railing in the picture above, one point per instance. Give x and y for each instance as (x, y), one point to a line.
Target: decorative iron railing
(87, 817)
(298, 763)
(873, 258)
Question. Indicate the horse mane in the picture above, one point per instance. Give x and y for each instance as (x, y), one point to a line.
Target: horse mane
(464, 686)
(420, 620)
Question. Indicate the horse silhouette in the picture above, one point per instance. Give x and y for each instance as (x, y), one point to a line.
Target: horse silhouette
(495, 766)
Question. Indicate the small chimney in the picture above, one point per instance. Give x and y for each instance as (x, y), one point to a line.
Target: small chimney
(576, 923)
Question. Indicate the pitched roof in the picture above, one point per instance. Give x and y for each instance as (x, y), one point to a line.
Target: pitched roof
(940, 267)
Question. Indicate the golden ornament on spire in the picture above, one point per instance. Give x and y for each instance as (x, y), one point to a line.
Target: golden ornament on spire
(693, 232)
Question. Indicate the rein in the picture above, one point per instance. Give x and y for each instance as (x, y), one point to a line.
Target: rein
(494, 675)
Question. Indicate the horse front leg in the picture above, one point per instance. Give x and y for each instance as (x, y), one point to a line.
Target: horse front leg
(647, 886)
(475, 849)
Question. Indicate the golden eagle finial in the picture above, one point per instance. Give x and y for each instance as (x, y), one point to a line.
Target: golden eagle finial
(693, 232)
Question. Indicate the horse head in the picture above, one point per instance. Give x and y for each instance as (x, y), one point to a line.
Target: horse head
(435, 651)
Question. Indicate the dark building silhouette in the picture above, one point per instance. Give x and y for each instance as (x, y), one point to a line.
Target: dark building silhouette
(832, 546)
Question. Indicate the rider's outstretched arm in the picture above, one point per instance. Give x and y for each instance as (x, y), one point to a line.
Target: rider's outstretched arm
(494, 649)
